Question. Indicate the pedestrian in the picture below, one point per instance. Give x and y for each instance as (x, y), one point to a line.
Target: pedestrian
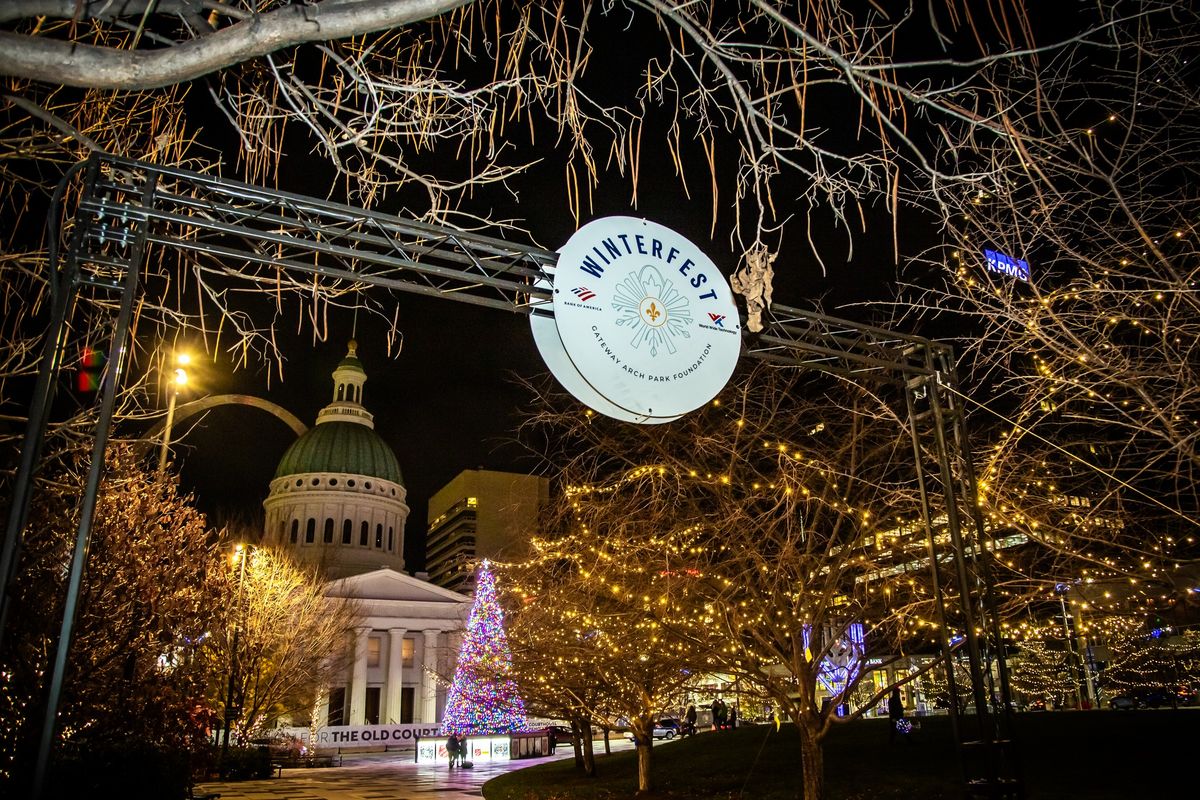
(733, 717)
(690, 716)
(715, 708)
(895, 715)
(463, 750)
(551, 739)
(452, 748)
(722, 714)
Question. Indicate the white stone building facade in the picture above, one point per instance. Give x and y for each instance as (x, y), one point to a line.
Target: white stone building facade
(337, 501)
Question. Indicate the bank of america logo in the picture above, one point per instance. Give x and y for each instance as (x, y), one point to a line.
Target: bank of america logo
(717, 319)
(583, 293)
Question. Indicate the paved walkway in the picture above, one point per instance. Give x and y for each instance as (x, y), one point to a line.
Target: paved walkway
(376, 776)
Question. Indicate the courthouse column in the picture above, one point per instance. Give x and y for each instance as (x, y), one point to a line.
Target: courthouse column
(428, 673)
(358, 679)
(395, 674)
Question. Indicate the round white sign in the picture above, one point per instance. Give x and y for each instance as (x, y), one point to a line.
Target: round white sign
(549, 345)
(646, 317)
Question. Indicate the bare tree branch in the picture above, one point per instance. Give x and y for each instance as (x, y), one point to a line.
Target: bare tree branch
(83, 65)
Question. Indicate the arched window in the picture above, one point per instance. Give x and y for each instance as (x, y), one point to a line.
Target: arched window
(295, 531)
(347, 531)
(310, 531)
(391, 540)
(341, 391)
(379, 536)
(329, 531)
(362, 534)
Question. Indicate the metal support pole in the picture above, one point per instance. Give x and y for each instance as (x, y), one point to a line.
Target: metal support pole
(62, 293)
(1073, 664)
(1084, 648)
(233, 662)
(918, 384)
(965, 589)
(166, 437)
(118, 359)
(87, 511)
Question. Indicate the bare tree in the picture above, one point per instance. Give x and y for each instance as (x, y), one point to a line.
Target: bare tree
(193, 38)
(1086, 363)
(1149, 664)
(285, 639)
(552, 675)
(1043, 674)
(590, 646)
(767, 533)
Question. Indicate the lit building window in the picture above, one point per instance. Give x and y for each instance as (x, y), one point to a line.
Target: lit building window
(406, 652)
(374, 644)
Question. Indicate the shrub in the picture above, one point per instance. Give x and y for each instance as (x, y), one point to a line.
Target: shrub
(134, 771)
(246, 763)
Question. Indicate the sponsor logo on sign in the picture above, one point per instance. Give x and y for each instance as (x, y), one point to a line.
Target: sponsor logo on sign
(653, 309)
(660, 336)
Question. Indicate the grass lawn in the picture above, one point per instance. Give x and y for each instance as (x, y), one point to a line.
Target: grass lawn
(1067, 755)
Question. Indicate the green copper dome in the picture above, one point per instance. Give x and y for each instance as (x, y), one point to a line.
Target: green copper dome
(343, 447)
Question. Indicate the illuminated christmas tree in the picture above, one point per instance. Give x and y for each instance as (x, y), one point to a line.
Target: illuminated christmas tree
(483, 698)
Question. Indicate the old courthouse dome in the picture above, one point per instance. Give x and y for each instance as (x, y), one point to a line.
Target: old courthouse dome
(337, 499)
(345, 447)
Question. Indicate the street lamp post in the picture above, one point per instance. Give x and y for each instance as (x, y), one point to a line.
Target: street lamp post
(239, 557)
(178, 380)
(1086, 658)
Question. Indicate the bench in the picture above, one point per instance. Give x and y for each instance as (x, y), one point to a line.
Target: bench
(305, 761)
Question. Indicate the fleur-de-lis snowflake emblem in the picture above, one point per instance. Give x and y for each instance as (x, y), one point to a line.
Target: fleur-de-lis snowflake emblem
(651, 307)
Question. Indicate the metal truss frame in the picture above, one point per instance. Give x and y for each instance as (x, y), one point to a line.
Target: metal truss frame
(127, 205)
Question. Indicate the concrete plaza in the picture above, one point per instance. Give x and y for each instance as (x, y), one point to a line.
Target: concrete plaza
(378, 776)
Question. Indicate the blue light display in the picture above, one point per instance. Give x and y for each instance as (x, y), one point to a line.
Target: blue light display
(844, 662)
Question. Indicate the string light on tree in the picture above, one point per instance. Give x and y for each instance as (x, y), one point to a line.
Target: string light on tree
(483, 698)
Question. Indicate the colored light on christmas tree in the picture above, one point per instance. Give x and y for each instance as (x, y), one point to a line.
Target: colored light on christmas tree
(483, 698)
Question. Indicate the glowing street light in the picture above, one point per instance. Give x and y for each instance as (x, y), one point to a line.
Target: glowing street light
(178, 380)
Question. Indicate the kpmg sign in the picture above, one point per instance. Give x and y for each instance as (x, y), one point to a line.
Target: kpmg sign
(1004, 265)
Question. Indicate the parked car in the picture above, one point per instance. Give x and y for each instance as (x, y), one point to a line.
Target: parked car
(1122, 702)
(663, 729)
(1141, 698)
